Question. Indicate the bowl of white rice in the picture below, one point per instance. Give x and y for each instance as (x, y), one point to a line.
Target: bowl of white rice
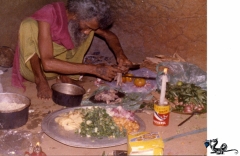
(13, 110)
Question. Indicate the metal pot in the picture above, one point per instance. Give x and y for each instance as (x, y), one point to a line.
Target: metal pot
(10, 119)
(66, 94)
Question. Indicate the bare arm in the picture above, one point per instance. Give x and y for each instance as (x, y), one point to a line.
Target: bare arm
(114, 44)
(51, 64)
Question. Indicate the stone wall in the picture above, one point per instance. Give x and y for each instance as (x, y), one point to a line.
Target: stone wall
(145, 27)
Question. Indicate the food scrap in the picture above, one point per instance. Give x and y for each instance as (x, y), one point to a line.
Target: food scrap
(108, 96)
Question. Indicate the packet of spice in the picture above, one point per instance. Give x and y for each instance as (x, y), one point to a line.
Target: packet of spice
(145, 143)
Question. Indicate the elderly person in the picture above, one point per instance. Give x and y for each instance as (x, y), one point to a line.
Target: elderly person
(54, 40)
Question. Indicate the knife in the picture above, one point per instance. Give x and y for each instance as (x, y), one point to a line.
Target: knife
(143, 77)
(134, 66)
(131, 67)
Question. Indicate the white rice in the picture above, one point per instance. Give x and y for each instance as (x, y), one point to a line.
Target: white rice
(4, 106)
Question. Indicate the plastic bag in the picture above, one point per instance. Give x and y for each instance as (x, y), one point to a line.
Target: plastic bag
(129, 87)
(131, 101)
(15, 142)
(183, 71)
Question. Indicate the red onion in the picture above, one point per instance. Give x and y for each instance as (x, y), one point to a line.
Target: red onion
(187, 109)
(120, 112)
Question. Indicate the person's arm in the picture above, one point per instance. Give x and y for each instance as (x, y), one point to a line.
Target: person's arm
(113, 42)
(50, 64)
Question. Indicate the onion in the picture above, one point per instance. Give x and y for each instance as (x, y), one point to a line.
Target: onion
(192, 106)
(121, 113)
(187, 109)
(199, 108)
(196, 107)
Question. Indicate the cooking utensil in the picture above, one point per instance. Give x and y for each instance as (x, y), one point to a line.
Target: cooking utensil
(10, 119)
(57, 132)
(134, 66)
(143, 77)
(66, 94)
(131, 67)
(193, 113)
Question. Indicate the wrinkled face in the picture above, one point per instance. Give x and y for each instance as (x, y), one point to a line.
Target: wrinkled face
(87, 26)
(79, 31)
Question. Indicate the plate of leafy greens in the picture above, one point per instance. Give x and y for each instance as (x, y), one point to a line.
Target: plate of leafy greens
(89, 135)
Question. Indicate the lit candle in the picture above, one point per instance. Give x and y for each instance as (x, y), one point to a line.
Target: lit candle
(163, 87)
(38, 150)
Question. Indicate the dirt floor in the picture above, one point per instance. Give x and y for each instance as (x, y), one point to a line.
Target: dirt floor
(39, 109)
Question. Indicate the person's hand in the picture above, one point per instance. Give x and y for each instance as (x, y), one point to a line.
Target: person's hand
(106, 72)
(124, 64)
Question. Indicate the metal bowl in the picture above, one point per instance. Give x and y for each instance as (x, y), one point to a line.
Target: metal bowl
(14, 118)
(66, 94)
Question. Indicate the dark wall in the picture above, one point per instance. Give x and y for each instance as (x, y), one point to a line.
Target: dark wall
(12, 12)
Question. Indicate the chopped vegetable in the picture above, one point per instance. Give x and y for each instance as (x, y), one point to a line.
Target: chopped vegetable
(98, 123)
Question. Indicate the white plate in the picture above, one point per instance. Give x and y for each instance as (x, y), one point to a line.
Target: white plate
(55, 131)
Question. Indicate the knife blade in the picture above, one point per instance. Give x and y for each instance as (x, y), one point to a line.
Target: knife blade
(131, 67)
(134, 66)
(143, 77)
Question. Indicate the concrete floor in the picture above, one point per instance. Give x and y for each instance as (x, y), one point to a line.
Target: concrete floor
(187, 145)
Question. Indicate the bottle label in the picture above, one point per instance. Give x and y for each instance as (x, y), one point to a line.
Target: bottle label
(161, 115)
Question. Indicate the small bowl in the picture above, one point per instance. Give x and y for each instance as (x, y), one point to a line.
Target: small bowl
(10, 117)
(66, 94)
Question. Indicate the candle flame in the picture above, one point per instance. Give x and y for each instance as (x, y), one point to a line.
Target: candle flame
(165, 70)
(37, 144)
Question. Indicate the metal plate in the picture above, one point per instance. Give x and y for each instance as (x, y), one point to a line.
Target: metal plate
(55, 131)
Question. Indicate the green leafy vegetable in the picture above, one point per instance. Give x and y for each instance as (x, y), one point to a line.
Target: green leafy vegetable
(98, 123)
(186, 94)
